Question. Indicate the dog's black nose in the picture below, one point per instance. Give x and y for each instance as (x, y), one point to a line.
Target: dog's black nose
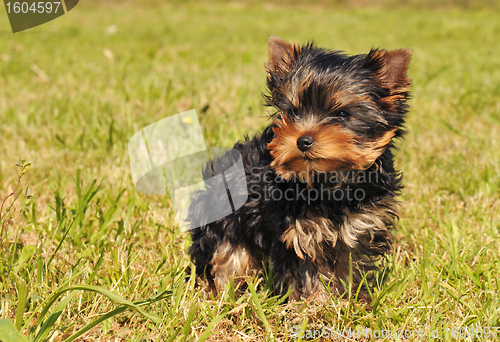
(305, 142)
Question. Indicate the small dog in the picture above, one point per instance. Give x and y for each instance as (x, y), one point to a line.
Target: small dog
(320, 178)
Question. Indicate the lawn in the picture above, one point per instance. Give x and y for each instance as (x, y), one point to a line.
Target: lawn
(74, 90)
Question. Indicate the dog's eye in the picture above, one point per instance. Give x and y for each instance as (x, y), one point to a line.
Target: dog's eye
(342, 114)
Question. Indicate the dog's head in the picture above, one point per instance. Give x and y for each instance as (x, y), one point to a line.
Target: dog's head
(333, 112)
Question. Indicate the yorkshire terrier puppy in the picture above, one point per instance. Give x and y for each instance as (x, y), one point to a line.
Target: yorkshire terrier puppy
(321, 178)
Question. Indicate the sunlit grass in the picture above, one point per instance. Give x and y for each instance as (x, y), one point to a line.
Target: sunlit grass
(86, 225)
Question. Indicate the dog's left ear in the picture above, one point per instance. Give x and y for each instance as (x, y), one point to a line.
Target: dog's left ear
(391, 68)
(282, 55)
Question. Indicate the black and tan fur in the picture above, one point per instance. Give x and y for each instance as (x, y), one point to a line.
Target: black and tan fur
(349, 109)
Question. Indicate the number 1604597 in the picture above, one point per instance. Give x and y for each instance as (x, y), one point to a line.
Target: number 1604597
(36, 7)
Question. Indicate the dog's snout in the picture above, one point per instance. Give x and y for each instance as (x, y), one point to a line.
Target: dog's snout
(305, 142)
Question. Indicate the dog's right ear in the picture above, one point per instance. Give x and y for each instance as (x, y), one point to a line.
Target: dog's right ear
(282, 55)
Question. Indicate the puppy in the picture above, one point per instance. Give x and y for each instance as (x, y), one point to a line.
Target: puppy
(320, 178)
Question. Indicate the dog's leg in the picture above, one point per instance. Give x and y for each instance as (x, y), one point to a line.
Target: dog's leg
(217, 259)
(204, 243)
(233, 261)
(301, 274)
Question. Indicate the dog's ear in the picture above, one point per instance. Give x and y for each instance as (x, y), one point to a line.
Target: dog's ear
(391, 69)
(281, 55)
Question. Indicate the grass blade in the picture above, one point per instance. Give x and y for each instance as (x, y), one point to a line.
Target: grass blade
(61, 242)
(115, 312)
(112, 296)
(22, 294)
(96, 322)
(187, 325)
(384, 292)
(9, 333)
(52, 319)
(303, 328)
(212, 324)
(260, 312)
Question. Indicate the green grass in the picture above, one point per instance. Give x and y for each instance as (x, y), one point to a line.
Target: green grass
(71, 97)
